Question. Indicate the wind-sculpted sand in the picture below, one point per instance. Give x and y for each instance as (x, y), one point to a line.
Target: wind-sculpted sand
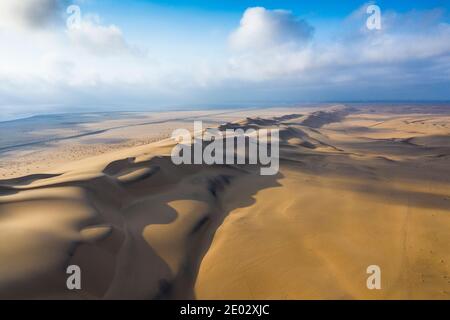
(356, 187)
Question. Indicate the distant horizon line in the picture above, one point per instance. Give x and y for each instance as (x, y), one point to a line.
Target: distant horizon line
(205, 106)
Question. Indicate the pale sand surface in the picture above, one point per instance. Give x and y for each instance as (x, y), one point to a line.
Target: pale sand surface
(38, 144)
(356, 187)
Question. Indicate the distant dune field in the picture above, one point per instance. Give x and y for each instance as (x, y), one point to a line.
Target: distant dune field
(357, 186)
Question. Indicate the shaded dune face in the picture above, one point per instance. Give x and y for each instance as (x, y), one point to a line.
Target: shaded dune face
(355, 188)
(138, 229)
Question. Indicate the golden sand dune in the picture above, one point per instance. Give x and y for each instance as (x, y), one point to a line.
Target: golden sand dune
(355, 189)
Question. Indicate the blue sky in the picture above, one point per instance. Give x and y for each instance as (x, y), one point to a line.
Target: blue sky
(324, 8)
(148, 54)
(138, 16)
(228, 12)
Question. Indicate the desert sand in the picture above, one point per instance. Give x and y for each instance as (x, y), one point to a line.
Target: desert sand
(357, 186)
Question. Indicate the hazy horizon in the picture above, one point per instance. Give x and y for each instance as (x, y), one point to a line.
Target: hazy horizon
(33, 111)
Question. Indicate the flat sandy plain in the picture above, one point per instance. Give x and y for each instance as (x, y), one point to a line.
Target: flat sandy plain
(357, 186)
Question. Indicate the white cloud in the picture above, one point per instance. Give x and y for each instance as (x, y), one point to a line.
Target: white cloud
(265, 29)
(399, 49)
(49, 63)
(99, 39)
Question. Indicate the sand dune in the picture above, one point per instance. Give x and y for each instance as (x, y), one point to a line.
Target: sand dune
(355, 188)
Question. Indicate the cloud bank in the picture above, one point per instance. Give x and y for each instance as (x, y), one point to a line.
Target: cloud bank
(269, 54)
(397, 52)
